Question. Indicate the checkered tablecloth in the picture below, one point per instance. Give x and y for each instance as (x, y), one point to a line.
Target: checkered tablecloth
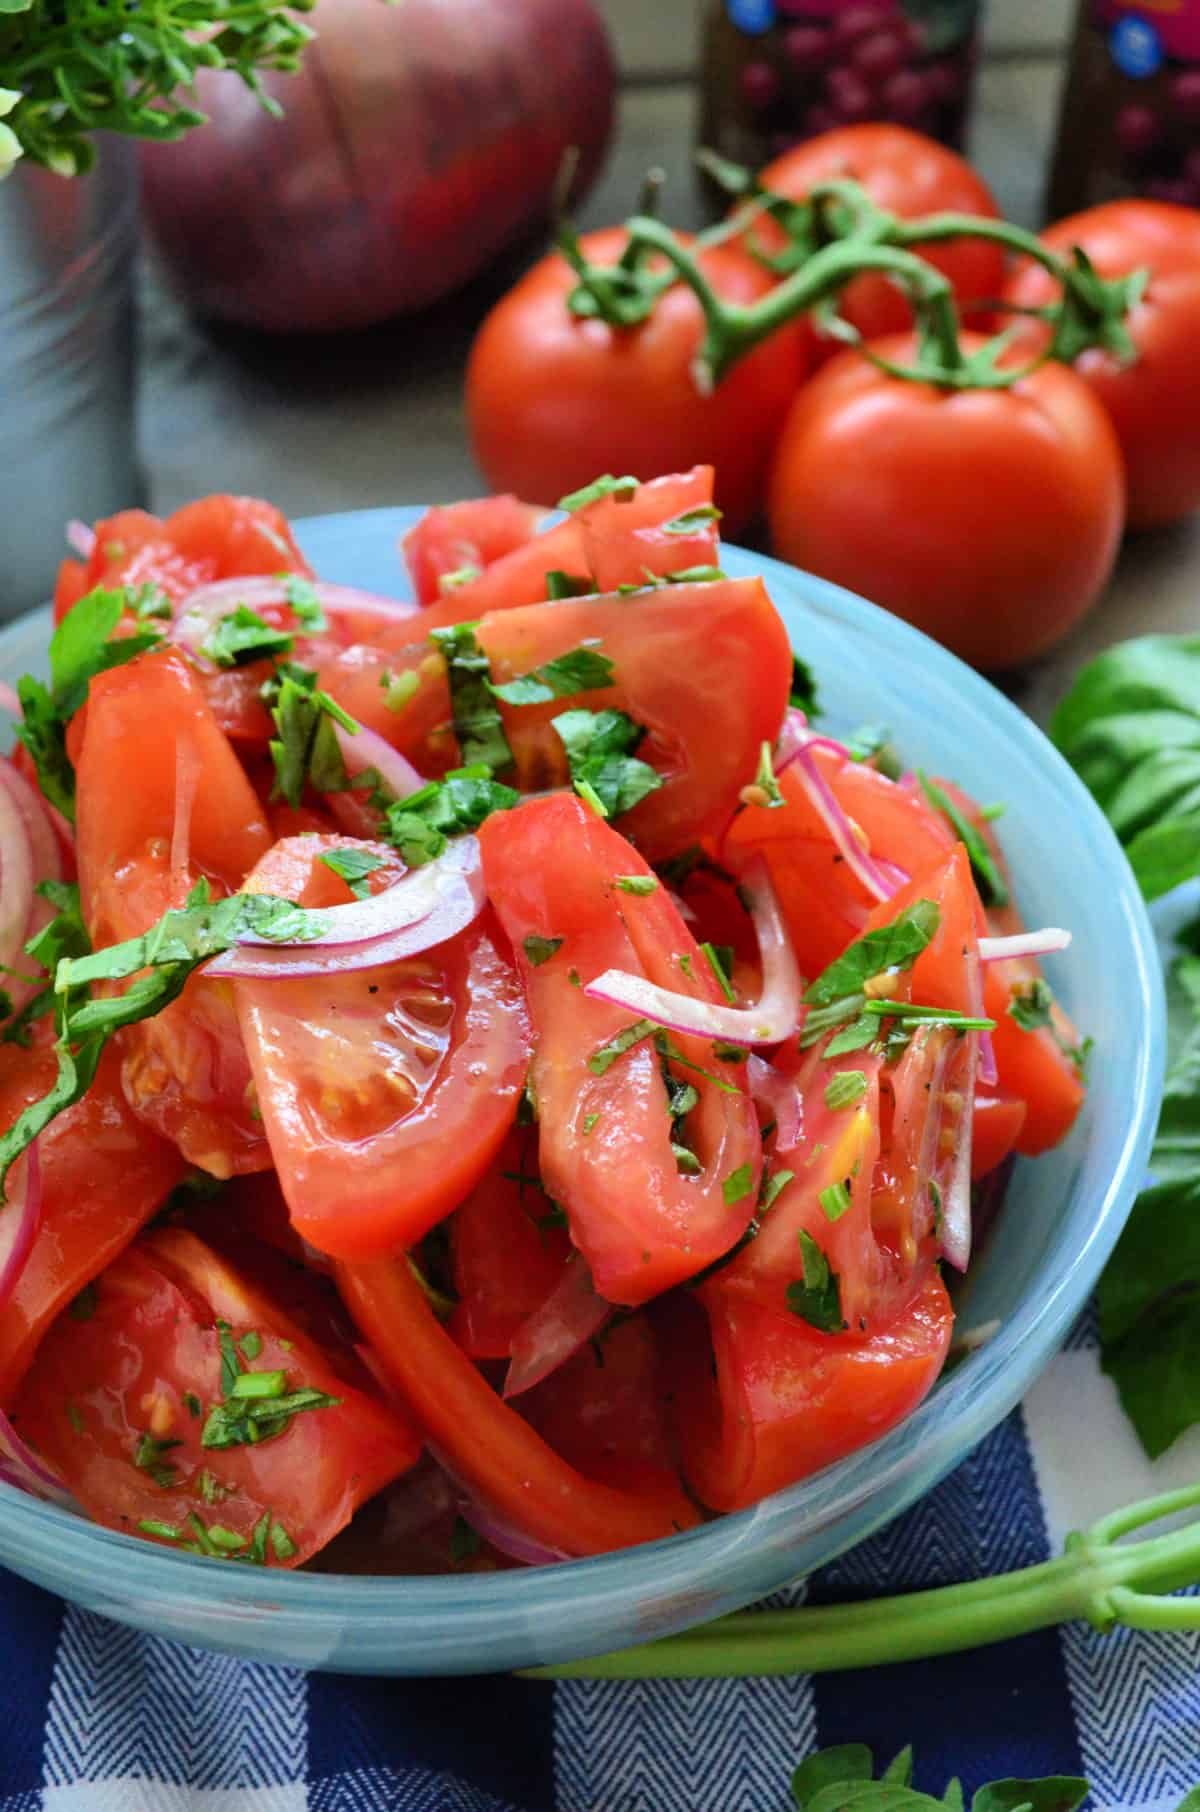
(97, 1718)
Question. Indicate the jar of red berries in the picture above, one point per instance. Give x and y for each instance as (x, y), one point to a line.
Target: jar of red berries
(1130, 121)
(778, 71)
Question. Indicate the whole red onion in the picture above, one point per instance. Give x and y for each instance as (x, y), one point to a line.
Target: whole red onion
(418, 141)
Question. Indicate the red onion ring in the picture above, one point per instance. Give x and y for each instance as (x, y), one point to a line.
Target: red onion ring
(16, 878)
(364, 748)
(20, 1466)
(822, 798)
(504, 1537)
(424, 908)
(19, 1222)
(1045, 942)
(571, 1314)
(80, 538)
(44, 845)
(778, 1094)
(777, 1012)
(203, 609)
(796, 735)
(9, 701)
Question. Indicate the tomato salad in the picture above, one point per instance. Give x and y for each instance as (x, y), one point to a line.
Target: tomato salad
(490, 1055)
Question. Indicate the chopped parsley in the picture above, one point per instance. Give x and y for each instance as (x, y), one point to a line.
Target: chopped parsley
(719, 958)
(420, 825)
(305, 749)
(83, 645)
(873, 743)
(475, 715)
(738, 1184)
(398, 688)
(353, 865)
(988, 878)
(638, 884)
(302, 598)
(604, 769)
(817, 1298)
(844, 1089)
(772, 1187)
(894, 946)
(243, 636)
(149, 1456)
(583, 669)
(601, 1061)
(561, 585)
(835, 1201)
(621, 489)
(539, 950)
(1031, 1005)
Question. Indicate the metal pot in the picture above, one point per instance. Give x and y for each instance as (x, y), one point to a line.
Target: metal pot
(66, 361)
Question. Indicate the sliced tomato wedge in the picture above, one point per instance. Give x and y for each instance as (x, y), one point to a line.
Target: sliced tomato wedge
(605, 1142)
(122, 1405)
(104, 1173)
(605, 1411)
(763, 1400)
(662, 528)
(241, 536)
(486, 1444)
(704, 668)
(458, 538)
(508, 1251)
(406, 1076)
(998, 1124)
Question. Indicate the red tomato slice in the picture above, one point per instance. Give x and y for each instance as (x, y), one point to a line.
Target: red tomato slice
(241, 536)
(605, 1139)
(518, 578)
(507, 1254)
(454, 537)
(359, 678)
(626, 539)
(69, 586)
(104, 1174)
(705, 668)
(605, 1410)
(162, 801)
(406, 1076)
(99, 1387)
(998, 1124)
(762, 1399)
(487, 1445)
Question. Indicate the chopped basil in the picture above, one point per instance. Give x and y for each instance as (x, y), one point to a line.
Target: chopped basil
(561, 585)
(282, 1545)
(665, 1047)
(691, 520)
(583, 669)
(454, 581)
(772, 1188)
(818, 1298)
(803, 695)
(589, 1120)
(192, 1404)
(231, 1364)
(873, 743)
(639, 884)
(720, 960)
(353, 865)
(601, 1061)
(894, 946)
(148, 1456)
(475, 716)
(302, 598)
(150, 1525)
(862, 1031)
(738, 1184)
(539, 950)
(255, 1385)
(988, 878)
(686, 1161)
(244, 1420)
(305, 748)
(1031, 1005)
(844, 1089)
(83, 645)
(689, 575)
(420, 825)
(622, 489)
(604, 769)
(243, 636)
(911, 1015)
(835, 1201)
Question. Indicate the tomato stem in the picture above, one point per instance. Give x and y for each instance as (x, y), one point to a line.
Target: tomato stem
(1094, 1580)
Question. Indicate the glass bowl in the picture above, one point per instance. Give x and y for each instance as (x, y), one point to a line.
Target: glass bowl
(1060, 1220)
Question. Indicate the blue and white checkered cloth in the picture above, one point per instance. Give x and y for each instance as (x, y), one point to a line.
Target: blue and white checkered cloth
(97, 1718)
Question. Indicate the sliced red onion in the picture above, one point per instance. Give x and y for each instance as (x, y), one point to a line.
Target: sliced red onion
(570, 1315)
(504, 1537)
(187, 780)
(16, 879)
(9, 701)
(956, 1193)
(19, 1222)
(20, 1466)
(822, 798)
(777, 1011)
(989, 1075)
(44, 846)
(1046, 942)
(205, 607)
(796, 735)
(780, 1097)
(424, 908)
(364, 748)
(80, 538)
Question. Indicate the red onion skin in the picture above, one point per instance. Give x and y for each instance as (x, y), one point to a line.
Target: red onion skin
(418, 142)
(19, 1225)
(572, 1314)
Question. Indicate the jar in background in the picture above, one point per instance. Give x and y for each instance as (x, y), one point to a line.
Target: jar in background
(1130, 120)
(778, 71)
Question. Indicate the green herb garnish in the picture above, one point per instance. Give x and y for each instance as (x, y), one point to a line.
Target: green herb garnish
(818, 1298)
(844, 1089)
(604, 769)
(622, 489)
(476, 718)
(539, 950)
(582, 670)
(353, 866)
(243, 636)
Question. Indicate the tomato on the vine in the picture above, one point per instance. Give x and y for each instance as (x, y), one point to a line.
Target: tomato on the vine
(906, 174)
(989, 518)
(1154, 399)
(552, 399)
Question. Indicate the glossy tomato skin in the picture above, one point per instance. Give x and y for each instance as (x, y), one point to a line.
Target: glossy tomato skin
(98, 1386)
(550, 865)
(406, 1076)
(909, 175)
(552, 399)
(1154, 401)
(990, 519)
(763, 1400)
(104, 1173)
(450, 538)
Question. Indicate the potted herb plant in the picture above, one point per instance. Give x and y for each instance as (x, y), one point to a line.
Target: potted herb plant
(80, 79)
